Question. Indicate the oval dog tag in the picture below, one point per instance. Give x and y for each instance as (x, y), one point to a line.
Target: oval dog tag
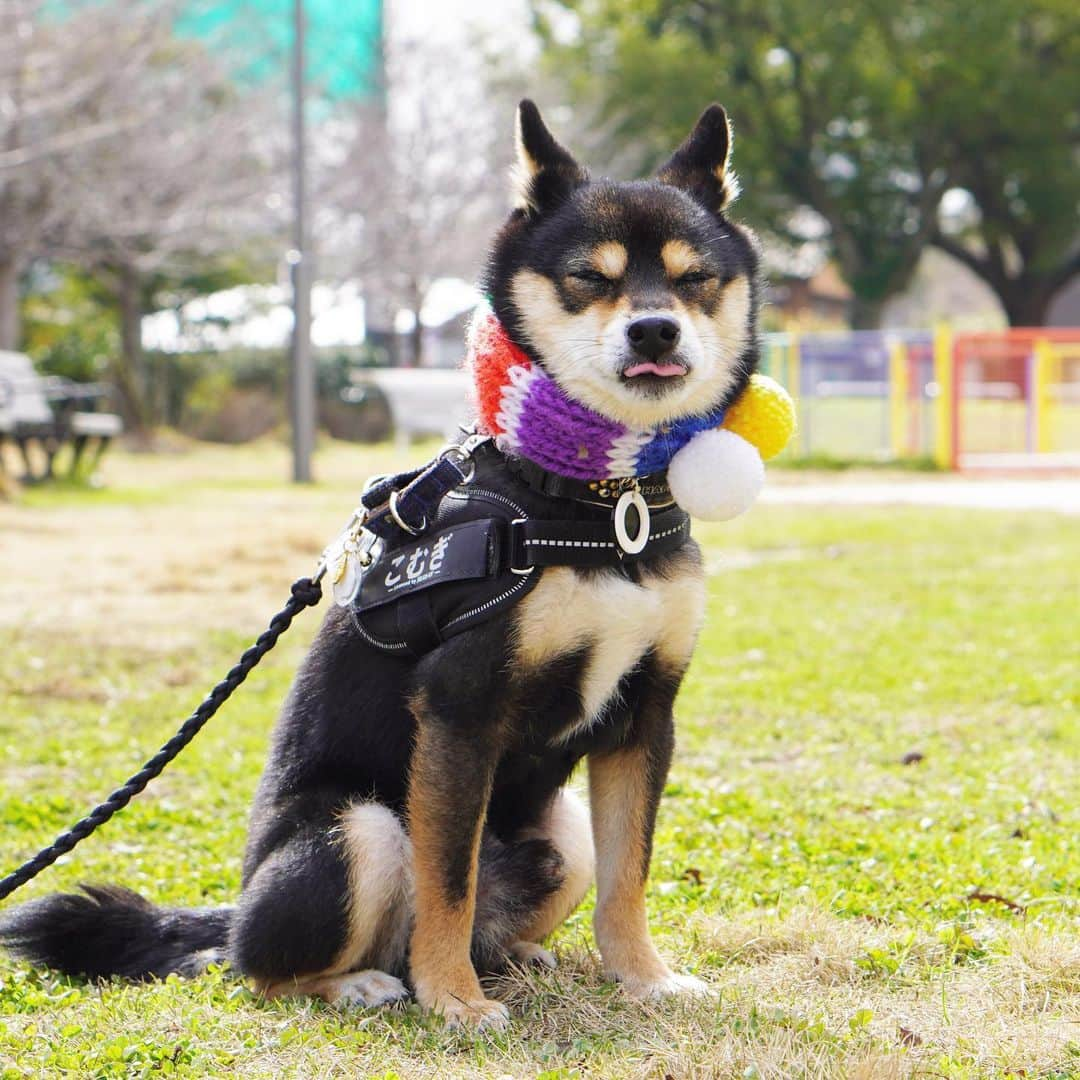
(346, 580)
(635, 545)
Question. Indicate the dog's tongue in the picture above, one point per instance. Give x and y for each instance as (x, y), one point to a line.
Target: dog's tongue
(651, 368)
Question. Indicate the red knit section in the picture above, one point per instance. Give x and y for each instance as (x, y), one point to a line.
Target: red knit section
(493, 353)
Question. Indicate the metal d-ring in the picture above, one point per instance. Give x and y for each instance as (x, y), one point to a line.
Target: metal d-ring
(462, 461)
(413, 530)
(461, 454)
(635, 545)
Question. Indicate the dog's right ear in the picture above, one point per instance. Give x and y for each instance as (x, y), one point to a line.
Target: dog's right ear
(701, 166)
(544, 173)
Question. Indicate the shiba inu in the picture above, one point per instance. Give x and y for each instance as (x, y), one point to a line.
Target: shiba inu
(413, 826)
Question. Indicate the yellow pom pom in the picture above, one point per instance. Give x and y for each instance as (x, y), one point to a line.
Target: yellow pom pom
(764, 415)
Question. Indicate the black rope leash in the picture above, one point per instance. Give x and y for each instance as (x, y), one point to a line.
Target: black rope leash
(306, 592)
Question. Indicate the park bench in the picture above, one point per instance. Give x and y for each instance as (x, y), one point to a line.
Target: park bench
(42, 415)
(423, 401)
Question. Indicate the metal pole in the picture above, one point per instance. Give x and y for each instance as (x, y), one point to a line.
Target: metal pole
(303, 373)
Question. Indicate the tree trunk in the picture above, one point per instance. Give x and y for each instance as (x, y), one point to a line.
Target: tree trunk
(1025, 302)
(416, 342)
(128, 371)
(9, 304)
(866, 313)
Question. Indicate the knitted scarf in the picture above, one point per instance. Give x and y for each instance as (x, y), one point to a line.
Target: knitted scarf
(530, 415)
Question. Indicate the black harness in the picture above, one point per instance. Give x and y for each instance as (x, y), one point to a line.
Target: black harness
(434, 552)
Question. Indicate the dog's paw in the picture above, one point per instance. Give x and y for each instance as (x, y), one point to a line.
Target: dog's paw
(480, 1014)
(528, 953)
(366, 989)
(667, 986)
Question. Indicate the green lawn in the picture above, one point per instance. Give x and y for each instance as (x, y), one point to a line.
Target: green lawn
(879, 735)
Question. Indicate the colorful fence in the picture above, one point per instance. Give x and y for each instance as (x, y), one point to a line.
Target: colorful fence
(1005, 399)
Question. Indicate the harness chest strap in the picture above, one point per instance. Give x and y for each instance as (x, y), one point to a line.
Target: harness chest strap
(484, 547)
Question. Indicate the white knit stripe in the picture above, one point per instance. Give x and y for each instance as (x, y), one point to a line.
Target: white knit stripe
(622, 457)
(512, 400)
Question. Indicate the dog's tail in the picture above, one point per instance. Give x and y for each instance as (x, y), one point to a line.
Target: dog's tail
(108, 930)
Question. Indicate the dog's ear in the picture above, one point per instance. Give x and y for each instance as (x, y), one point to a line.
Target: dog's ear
(700, 166)
(544, 173)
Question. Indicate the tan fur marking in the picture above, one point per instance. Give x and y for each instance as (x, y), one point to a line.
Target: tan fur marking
(364, 988)
(566, 611)
(583, 351)
(610, 259)
(379, 859)
(441, 966)
(683, 613)
(679, 258)
(619, 620)
(522, 171)
(729, 184)
(618, 800)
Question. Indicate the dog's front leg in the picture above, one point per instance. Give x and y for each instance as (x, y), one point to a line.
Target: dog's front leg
(625, 786)
(449, 787)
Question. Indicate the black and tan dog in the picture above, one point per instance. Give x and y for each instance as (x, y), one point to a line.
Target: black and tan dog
(413, 825)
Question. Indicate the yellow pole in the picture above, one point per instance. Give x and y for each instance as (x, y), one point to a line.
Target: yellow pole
(898, 398)
(1046, 362)
(944, 413)
(794, 377)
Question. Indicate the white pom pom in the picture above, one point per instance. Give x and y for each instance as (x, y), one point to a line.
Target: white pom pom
(716, 476)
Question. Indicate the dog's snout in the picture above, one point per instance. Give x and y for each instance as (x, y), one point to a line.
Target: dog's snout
(653, 335)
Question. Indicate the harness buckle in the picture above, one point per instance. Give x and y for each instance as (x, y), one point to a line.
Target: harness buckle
(526, 571)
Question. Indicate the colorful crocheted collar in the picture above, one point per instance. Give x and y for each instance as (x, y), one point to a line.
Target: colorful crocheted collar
(529, 414)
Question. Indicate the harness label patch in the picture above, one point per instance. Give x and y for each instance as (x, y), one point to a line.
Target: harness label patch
(458, 553)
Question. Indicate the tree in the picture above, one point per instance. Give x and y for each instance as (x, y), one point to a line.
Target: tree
(64, 90)
(131, 152)
(1016, 155)
(419, 182)
(181, 203)
(857, 109)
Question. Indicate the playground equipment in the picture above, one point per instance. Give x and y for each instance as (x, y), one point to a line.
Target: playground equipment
(1008, 399)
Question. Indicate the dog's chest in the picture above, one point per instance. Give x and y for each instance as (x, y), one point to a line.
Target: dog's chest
(616, 620)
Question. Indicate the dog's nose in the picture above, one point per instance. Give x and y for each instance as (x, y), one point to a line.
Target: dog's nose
(653, 335)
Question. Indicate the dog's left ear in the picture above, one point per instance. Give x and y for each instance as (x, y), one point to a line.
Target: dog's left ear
(700, 166)
(544, 173)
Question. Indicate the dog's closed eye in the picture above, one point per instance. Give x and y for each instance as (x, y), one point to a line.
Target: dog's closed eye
(592, 277)
(695, 277)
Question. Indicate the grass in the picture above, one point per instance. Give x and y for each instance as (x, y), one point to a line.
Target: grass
(878, 737)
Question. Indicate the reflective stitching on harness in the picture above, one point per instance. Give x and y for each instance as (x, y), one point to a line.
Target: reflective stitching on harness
(541, 542)
(520, 584)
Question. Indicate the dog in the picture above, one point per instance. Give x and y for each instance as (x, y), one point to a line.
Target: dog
(413, 826)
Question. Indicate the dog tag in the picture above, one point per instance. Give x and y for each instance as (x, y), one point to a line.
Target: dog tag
(346, 558)
(632, 545)
(345, 579)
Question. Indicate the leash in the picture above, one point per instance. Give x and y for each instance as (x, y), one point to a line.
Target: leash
(388, 503)
(306, 592)
(392, 507)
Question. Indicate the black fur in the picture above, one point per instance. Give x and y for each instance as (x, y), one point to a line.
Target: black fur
(355, 716)
(109, 930)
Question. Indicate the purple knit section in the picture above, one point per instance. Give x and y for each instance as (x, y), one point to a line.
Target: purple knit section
(563, 436)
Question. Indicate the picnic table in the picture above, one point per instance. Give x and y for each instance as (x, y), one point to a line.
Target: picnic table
(41, 415)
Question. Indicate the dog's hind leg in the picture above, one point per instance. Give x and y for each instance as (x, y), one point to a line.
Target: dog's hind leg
(566, 827)
(328, 913)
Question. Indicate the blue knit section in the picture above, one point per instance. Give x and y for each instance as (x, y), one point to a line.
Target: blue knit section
(656, 454)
